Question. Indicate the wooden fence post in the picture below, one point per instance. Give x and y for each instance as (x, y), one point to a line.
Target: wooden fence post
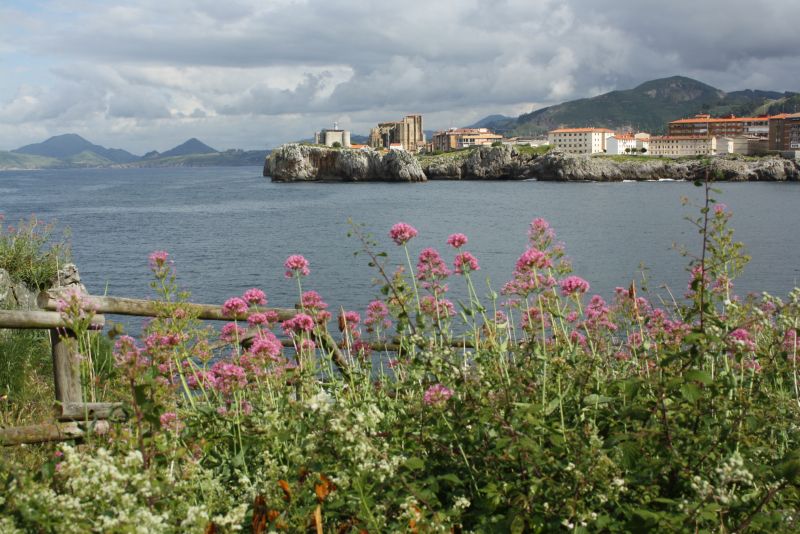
(66, 367)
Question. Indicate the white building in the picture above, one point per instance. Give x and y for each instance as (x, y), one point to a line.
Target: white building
(684, 145)
(580, 140)
(329, 137)
(628, 143)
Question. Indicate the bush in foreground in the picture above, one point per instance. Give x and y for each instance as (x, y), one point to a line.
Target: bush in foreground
(539, 409)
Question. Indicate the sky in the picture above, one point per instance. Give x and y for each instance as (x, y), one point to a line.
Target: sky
(148, 74)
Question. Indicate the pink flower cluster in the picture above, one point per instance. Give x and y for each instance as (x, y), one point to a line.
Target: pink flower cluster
(741, 338)
(234, 307)
(377, 313)
(265, 319)
(437, 395)
(255, 297)
(437, 307)
(158, 260)
(573, 285)
(129, 356)
(312, 302)
(465, 263)
(232, 333)
(296, 265)
(349, 320)
(301, 322)
(457, 240)
(401, 233)
(431, 267)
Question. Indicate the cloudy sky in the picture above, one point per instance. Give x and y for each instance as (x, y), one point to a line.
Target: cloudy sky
(148, 74)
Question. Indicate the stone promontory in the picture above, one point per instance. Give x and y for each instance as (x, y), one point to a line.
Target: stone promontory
(305, 163)
(315, 163)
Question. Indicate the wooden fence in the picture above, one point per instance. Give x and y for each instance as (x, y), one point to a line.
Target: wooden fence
(73, 416)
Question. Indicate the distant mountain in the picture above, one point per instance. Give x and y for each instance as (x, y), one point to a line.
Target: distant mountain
(192, 146)
(69, 145)
(229, 158)
(494, 122)
(12, 161)
(647, 107)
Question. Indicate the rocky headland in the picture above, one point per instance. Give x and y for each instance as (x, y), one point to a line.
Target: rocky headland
(308, 163)
(293, 162)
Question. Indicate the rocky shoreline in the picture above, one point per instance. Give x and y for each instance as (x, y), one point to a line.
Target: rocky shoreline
(307, 163)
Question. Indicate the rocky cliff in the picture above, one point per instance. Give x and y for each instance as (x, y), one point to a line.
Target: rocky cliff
(557, 166)
(313, 163)
(304, 163)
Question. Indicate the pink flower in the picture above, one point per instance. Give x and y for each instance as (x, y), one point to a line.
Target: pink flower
(437, 395)
(457, 240)
(572, 285)
(741, 338)
(719, 209)
(296, 265)
(228, 377)
(533, 257)
(433, 307)
(234, 306)
(465, 263)
(266, 346)
(258, 319)
(311, 300)
(431, 266)
(170, 422)
(231, 333)
(255, 296)
(158, 259)
(129, 356)
(401, 233)
(377, 313)
(307, 345)
(301, 322)
(349, 320)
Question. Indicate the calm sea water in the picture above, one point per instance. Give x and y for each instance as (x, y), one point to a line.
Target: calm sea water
(229, 229)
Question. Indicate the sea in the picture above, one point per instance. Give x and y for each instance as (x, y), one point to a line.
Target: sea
(230, 229)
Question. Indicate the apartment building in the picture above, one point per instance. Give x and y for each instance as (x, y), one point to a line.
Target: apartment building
(683, 145)
(731, 126)
(784, 132)
(457, 138)
(580, 140)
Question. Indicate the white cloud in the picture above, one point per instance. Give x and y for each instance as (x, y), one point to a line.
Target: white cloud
(145, 70)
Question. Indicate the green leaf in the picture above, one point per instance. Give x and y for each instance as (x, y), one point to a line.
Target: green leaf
(594, 399)
(697, 375)
(415, 464)
(691, 392)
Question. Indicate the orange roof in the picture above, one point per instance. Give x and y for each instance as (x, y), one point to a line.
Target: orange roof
(785, 116)
(581, 130)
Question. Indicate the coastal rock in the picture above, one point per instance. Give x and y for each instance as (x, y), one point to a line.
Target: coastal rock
(15, 295)
(304, 163)
(558, 166)
(483, 163)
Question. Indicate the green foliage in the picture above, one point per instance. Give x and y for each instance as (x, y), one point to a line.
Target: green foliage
(497, 143)
(533, 150)
(29, 254)
(564, 412)
(336, 144)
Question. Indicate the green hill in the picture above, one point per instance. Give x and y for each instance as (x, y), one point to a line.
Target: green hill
(70, 145)
(11, 161)
(648, 107)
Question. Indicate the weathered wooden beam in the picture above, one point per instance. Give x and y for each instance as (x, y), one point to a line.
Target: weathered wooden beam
(66, 367)
(89, 411)
(152, 308)
(40, 433)
(37, 319)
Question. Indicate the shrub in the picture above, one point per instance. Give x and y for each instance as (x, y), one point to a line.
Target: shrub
(29, 254)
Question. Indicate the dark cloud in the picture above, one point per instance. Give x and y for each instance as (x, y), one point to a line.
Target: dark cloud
(153, 66)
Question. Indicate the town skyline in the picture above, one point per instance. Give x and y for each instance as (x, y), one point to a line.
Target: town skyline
(146, 75)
